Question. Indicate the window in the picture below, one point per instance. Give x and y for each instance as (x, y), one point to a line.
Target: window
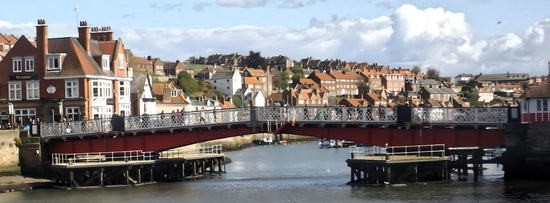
(72, 113)
(17, 64)
(71, 89)
(54, 62)
(101, 89)
(102, 112)
(121, 61)
(105, 62)
(174, 93)
(15, 90)
(539, 104)
(24, 116)
(124, 88)
(544, 105)
(33, 90)
(29, 64)
(124, 109)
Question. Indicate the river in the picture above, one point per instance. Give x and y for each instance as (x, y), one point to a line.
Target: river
(297, 173)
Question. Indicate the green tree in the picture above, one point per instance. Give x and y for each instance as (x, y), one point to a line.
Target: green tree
(237, 101)
(284, 80)
(255, 60)
(416, 69)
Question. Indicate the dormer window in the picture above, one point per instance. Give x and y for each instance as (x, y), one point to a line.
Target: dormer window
(174, 93)
(54, 61)
(105, 62)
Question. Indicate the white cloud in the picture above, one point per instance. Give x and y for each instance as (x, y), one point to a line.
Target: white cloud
(410, 36)
(241, 3)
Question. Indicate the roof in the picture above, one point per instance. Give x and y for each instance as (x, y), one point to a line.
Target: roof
(503, 77)
(464, 75)
(276, 97)
(158, 92)
(256, 72)
(357, 102)
(138, 82)
(222, 75)
(541, 91)
(345, 75)
(323, 76)
(141, 60)
(77, 61)
(443, 90)
(251, 80)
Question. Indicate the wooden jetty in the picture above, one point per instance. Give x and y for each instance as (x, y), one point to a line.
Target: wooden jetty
(132, 168)
(398, 164)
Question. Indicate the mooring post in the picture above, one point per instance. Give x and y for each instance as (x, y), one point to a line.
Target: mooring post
(388, 174)
(139, 174)
(183, 169)
(101, 177)
(194, 168)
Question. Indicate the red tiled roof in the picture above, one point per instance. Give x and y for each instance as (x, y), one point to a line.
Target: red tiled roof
(141, 60)
(251, 80)
(256, 72)
(76, 61)
(540, 91)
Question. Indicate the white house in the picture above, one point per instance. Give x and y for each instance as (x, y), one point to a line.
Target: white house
(227, 82)
(142, 94)
(485, 94)
(534, 104)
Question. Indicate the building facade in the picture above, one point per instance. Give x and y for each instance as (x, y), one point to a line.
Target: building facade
(65, 78)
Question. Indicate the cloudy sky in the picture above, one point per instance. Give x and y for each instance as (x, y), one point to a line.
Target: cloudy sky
(462, 36)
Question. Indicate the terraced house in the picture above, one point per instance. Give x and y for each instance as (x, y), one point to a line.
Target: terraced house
(65, 78)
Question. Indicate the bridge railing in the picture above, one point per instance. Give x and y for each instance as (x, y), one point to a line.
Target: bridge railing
(328, 114)
(460, 115)
(431, 150)
(75, 127)
(101, 157)
(187, 119)
(183, 153)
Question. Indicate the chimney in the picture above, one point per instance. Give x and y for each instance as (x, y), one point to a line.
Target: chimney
(41, 43)
(104, 33)
(84, 35)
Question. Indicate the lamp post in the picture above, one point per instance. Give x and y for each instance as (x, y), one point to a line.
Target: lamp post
(10, 112)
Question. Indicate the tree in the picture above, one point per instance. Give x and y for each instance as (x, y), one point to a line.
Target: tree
(416, 69)
(237, 101)
(284, 80)
(432, 73)
(255, 60)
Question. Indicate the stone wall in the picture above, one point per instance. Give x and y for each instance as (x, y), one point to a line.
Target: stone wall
(9, 153)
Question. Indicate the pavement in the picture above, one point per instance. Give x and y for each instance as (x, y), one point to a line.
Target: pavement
(17, 183)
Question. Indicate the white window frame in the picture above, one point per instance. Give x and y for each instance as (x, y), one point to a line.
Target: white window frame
(120, 61)
(17, 64)
(72, 112)
(29, 64)
(15, 91)
(33, 90)
(71, 89)
(103, 88)
(124, 110)
(105, 62)
(23, 115)
(174, 93)
(54, 62)
(124, 88)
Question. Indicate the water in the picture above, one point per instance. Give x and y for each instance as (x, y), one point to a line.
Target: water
(297, 173)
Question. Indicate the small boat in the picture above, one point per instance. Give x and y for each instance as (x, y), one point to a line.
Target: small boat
(268, 141)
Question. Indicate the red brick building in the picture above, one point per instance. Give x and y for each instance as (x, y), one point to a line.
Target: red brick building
(65, 78)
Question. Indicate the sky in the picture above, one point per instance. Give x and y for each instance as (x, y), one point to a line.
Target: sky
(453, 36)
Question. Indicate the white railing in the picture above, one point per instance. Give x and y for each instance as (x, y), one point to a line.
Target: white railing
(359, 115)
(460, 115)
(432, 150)
(328, 114)
(56, 129)
(101, 157)
(182, 153)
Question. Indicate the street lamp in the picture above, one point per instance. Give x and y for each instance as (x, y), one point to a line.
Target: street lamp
(10, 112)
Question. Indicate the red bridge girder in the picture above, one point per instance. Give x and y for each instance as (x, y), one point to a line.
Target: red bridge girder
(146, 142)
(458, 137)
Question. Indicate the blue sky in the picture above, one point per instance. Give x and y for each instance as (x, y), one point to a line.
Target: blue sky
(452, 36)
